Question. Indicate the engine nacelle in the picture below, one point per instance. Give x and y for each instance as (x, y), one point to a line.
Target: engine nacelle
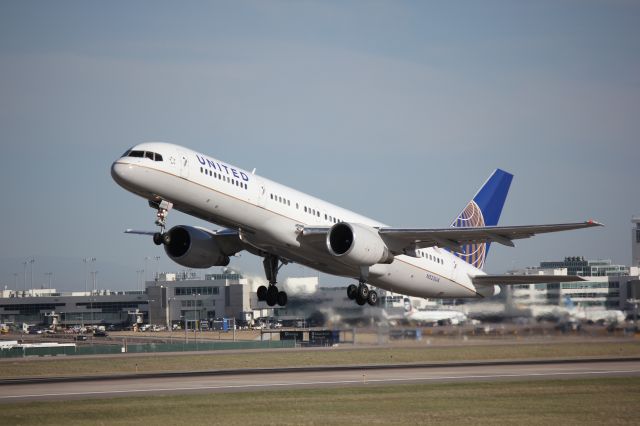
(193, 247)
(357, 244)
(488, 290)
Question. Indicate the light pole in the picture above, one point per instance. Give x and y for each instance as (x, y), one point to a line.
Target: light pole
(31, 262)
(139, 278)
(24, 276)
(146, 261)
(15, 281)
(94, 276)
(85, 260)
(157, 258)
(50, 276)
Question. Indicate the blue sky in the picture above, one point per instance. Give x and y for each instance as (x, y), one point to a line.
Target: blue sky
(397, 110)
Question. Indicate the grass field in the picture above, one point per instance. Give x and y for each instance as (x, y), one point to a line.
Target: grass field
(71, 366)
(566, 402)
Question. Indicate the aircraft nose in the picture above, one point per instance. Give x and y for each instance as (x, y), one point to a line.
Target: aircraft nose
(120, 172)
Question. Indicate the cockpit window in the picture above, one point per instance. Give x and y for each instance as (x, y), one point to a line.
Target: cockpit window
(144, 154)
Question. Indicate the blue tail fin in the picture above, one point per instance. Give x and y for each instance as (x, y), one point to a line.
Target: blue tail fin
(568, 303)
(483, 210)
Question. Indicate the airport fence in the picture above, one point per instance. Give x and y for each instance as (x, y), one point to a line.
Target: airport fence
(20, 352)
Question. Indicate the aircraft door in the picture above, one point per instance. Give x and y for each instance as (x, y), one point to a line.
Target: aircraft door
(454, 268)
(262, 193)
(183, 160)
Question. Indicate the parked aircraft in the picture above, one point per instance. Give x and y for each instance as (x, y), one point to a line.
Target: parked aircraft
(426, 316)
(283, 225)
(569, 311)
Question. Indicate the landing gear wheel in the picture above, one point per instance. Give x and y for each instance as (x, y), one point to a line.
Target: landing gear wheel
(363, 291)
(282, 298)
(360, 301)
(157, 238)
(272, 295)
(166, 239)
(372, 298)
(262, 293)
(272, 265)
(352, 291)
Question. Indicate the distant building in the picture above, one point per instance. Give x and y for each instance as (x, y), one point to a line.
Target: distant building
(606, 285)
(577, 265)
(74, 308)
(187, 299)
(635, 241)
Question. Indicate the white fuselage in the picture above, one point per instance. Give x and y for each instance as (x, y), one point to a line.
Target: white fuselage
(270, 216)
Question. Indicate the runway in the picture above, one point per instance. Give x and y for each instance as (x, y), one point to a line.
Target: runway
(317, 377)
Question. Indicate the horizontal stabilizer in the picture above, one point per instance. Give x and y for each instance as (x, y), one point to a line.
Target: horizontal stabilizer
(523, 279)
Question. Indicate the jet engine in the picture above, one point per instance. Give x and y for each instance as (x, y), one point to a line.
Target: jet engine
(357, 244)
(193, 247)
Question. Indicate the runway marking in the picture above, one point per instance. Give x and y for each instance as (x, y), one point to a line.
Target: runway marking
(337, 382)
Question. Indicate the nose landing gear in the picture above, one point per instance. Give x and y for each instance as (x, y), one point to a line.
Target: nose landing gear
(163, 207)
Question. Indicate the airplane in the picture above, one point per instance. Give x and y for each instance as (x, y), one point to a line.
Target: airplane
(593, 314)
(426, 316)
(569, 311)
(283, 225)
(432, 316)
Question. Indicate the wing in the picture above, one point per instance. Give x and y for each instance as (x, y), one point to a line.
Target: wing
(523, 279)
(405, 241)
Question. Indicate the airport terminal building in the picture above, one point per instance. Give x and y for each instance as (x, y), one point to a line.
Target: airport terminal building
(73, 308)
(606, 285)
(174, 299)
(171, 299)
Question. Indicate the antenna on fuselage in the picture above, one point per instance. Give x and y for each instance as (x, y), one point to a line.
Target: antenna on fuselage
(253, 172)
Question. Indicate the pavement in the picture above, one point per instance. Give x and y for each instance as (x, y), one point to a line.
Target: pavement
(316, 377)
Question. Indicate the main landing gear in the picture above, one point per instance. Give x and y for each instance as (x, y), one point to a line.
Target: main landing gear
(361, 292)
(272, 295)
